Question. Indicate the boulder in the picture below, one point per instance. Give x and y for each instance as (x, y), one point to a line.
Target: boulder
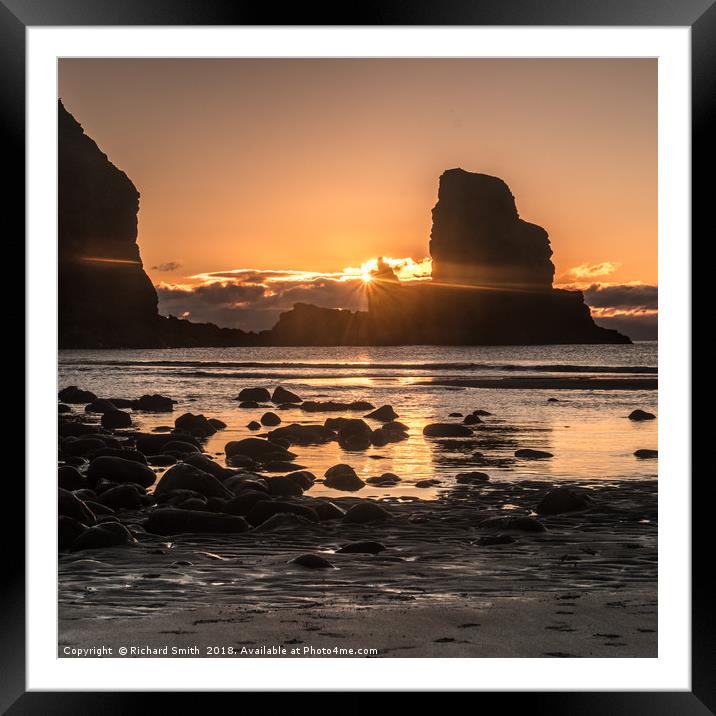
(196, 425)
(303, 434)
(68, 530)
(101, 405)
(387, 479)
(170, 521)
(333, 406)
(348, 426)
(70, 505)
(117, 469)
(366, 513)
(563, 499)
(384, 414)
(640, 415)
(283, 521)
(81, 446)
(284, 486)
(112, 419)
(121, 497)
(311, 561)
(304, 478)
(343, 477)
(355, 441)
(248, 404)
(70, 478)
(281, 466)
(62, 408)
(154, 404)
(74, 395)
(530, 454)
(446, 430)
(258, 449)
(243, 502)
(471, 419)
(254, 394)
(327, 510)
(261, 511)
(208, 465)
(162, 460)
(270, 419)
(281, 395)
(180, 447)
(99, 509)
(472, 478)
(646, 454)
(107, 534)
(187, 477)
(217, 424)
(240, 461)
(125, 453)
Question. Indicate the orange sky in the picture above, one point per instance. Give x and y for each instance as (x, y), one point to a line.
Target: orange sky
(321, 164)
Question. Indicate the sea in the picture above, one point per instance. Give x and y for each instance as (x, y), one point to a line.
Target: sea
(586, 430)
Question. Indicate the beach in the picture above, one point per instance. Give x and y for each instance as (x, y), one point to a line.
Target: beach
(470, 557)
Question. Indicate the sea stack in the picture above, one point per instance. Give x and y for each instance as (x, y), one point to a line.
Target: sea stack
(478, 238)
(491, 279)
(105, 297)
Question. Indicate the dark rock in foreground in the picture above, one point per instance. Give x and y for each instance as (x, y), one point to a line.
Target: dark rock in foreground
(446, 430)
(343, 477)
(366, 513)
(282, 395)
(188, 477)
(564, 499)
(107, 534)
(639, 415)
(530, 454)
(170, 521)
(312, 561)
(74, 395)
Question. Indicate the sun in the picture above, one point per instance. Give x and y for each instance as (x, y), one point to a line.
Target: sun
(365, 273)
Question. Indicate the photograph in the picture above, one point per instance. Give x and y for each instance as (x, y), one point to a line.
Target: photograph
(357, 357)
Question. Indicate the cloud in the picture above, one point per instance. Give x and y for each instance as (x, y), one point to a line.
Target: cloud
(589, 271)
(253, 299)
(625, 295)
(167, 267)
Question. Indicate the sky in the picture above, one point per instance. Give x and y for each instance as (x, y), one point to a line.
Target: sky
(263, 180)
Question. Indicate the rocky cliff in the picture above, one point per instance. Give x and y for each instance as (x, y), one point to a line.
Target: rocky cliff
(479, 239)
(106, 300)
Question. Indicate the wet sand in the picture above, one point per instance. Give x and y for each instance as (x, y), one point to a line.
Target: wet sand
(586, 586)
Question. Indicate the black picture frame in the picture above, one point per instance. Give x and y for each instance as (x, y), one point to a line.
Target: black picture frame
(699, 15)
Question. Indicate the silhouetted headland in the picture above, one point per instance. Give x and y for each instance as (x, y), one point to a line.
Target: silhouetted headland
(491, 282)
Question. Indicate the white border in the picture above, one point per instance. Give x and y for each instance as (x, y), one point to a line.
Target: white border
(671, 670)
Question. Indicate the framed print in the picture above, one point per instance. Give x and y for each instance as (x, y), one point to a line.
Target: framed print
(343, 342)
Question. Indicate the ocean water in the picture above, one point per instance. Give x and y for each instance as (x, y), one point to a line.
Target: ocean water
(587, 430)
